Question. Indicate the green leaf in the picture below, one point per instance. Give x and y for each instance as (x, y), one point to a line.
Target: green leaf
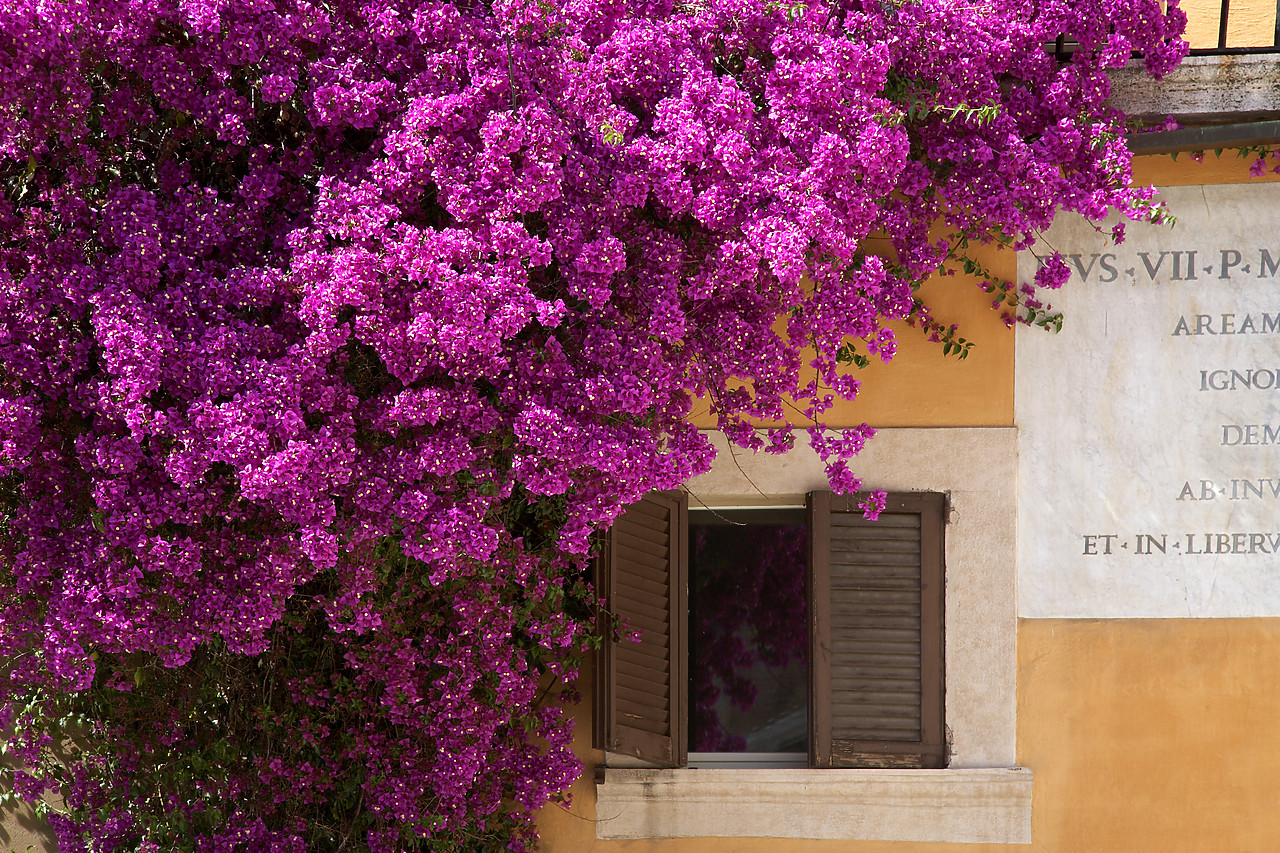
(610, 134)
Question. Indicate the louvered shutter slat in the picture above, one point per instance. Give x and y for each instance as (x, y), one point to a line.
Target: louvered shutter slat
(897, 593)
(852, 633)
(638, 587)
(641, 669)
(877, 682)
(878, 619)
(858, 539)
(638, 542)
(640, 683)
(650, 510)
(652, 608)
(640, 687)
(646, 624)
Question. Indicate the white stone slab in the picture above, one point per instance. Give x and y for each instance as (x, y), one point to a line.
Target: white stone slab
(989, 806)
(1149, 445)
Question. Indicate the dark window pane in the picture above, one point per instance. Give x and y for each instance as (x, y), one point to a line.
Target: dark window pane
(748, 637)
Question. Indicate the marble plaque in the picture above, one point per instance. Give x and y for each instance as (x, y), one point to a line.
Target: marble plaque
(1149, 443)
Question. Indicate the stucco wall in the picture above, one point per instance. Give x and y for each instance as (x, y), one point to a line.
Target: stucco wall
(921, 387)
(1145, 736)
(1151, 736)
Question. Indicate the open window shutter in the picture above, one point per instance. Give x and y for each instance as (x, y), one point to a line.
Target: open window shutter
(641, 687)
(876, 632)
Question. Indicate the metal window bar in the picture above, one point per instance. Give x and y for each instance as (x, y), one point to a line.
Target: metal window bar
(1224, 19)
(1064, 47)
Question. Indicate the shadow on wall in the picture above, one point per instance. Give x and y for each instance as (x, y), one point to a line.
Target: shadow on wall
(22, 832)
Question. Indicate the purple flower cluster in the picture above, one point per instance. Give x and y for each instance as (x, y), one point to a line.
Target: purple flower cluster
(331, 333)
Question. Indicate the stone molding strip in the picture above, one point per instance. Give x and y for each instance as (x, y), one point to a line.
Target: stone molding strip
(1202, 90)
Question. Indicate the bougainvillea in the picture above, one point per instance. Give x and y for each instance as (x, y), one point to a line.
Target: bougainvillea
(331, 331)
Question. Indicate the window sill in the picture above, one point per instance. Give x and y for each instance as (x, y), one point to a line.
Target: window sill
(991, 806)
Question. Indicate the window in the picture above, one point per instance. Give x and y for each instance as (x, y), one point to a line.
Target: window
(748, 636)
(981, 797)
(870, 635)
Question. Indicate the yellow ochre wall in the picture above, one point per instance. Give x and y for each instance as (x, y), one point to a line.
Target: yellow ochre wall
(1151, 735)
(922, 388)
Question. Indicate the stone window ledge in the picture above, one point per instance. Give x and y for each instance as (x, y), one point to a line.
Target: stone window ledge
(979, 806)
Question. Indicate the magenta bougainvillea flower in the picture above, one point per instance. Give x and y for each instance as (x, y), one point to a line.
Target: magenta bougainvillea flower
(332, 331)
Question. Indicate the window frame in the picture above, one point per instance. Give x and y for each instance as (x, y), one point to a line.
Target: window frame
(982, 797)
(612, 729)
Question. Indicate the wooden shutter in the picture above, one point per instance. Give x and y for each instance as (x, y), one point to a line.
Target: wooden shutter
(876, 632)
(641, 687)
